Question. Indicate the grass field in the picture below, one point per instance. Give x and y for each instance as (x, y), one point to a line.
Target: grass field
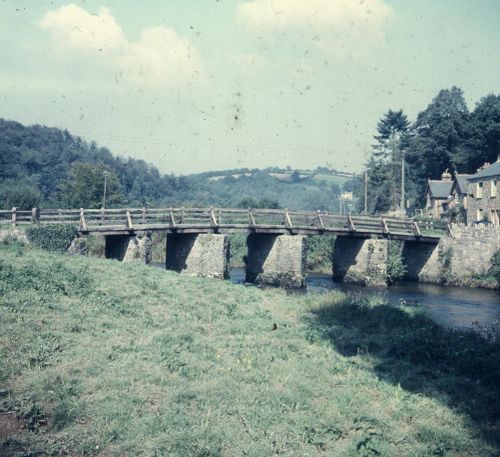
(100, 358)
(330, 179)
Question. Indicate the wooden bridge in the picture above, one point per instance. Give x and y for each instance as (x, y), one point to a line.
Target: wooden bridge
(222, 221)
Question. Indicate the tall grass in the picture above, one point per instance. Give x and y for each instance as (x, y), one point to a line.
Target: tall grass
(103, 358)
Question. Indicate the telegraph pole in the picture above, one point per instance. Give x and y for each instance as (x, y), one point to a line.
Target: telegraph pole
(106, 173)
(366, 193)
(403, 181)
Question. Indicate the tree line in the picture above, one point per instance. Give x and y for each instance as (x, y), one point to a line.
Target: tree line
(49, 167)
(446, 135)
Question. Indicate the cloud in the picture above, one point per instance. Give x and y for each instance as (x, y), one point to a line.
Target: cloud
(249, 62)
(326, 21)
(160, 56)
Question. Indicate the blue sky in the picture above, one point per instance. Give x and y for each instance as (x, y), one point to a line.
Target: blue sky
(214, 84)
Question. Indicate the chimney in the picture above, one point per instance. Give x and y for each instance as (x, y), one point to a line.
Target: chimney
(446, 176)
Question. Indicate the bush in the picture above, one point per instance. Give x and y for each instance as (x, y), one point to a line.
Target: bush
(51, 237)
(494, 270)
(396, 269)
(23, 196)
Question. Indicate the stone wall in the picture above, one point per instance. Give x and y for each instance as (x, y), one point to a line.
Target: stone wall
(276, 260)
(457, 259)
(204, 255)
(360, 261)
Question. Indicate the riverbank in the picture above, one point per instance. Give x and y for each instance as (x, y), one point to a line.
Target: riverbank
(104, 358)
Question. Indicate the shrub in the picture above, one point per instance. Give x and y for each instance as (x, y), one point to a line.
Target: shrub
(396, 269)
(494, 270)
(23, 196)
(51, 237)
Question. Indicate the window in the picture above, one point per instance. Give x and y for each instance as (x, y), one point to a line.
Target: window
(479, 190)
(493, 188)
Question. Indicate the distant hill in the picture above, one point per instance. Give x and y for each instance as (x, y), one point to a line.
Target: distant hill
(52, 165)
(42, 158)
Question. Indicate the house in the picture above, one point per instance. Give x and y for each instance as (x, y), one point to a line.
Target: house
(484, 195)
(437, 195)
(458, 196)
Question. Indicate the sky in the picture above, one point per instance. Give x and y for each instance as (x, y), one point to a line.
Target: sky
(197, 85)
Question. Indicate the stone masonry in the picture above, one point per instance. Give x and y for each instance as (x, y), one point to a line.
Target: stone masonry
(127, 248)
(360, 261)
(204, 255)
(464, 254)
(276, 260)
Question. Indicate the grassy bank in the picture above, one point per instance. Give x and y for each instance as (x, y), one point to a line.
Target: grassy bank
(103, 358)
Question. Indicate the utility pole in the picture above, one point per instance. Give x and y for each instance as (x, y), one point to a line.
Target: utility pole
(403, 181)
(366, 193)
(106, 173)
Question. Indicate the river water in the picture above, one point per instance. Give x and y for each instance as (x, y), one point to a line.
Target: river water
(457, 307)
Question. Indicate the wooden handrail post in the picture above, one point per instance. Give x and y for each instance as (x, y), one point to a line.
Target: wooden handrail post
(385, 228)
(13, 217)
(213, 219)
(144, 210)
(288, 221)
(83, 222)
(320, 220)
(350, 223)
(251, 217)
(129, 220)
(172, 219)
(417, 228)
(35, 215)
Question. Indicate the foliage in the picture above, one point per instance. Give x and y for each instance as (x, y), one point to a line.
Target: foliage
(494, 270)
(396, 269)
(51, 237)
(444, 136)
(89, 345)
(44, 158)
(260, 203)
(319, 255)
(85, 187)
(384, 165)
(21, 195)
(445, 255)
(238, 250)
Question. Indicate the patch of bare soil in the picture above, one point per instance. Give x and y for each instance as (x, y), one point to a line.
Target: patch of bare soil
(10, 427)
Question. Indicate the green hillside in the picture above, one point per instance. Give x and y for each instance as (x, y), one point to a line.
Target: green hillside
(49, 167)
(100, 358)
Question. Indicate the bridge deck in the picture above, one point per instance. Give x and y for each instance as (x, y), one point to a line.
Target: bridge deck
(222, 220)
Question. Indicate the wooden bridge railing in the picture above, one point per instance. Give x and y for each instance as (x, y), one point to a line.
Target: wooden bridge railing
(99, 220)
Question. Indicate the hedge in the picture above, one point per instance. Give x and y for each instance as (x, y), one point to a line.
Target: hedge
(56, 237)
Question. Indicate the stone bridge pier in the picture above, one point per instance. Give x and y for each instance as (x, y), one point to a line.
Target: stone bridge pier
(276, 260)
(129, 248)
(360, 260)
(198, 254)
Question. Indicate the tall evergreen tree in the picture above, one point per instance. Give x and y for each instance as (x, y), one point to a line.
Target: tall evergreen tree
(384, 164)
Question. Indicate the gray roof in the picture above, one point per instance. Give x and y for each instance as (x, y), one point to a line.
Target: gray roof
(460, 183)
(488, 172)
(439, 189)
